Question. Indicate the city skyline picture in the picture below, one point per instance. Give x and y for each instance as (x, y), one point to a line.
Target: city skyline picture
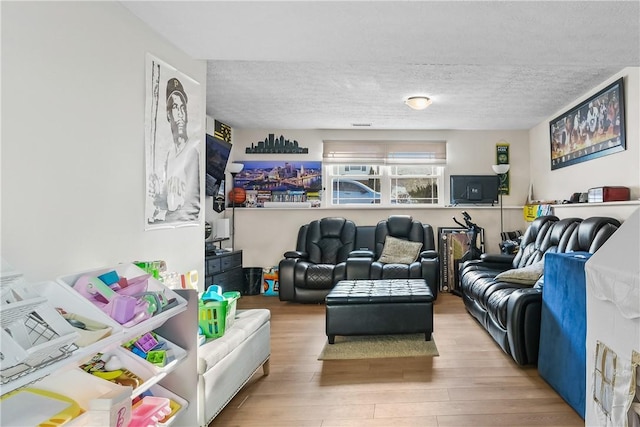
(280, 176)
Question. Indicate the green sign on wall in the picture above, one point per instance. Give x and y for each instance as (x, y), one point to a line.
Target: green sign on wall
(502, 158)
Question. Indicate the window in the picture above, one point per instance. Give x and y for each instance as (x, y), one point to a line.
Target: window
(385, 185)
(354, 184)
(415, 184)
(371, 172)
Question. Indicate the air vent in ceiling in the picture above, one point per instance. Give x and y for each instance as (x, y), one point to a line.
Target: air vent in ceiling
(361, 125)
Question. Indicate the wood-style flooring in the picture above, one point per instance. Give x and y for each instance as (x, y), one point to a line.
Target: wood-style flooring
(471, 383)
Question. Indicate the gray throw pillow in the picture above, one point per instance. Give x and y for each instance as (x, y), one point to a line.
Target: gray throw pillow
(398, 251)
(528, 275)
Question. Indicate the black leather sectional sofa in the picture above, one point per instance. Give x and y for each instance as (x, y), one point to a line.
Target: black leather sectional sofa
(332, 249)
(509, 311)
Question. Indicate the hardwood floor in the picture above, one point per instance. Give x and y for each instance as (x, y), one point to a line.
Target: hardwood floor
(471, 383)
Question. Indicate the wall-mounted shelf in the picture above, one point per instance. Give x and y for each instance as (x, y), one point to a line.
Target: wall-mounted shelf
(377, 207)
(619, 210)
(598, 204)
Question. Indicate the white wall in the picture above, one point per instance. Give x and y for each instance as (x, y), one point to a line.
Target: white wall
(265, 234)
(621, 168)
(73, 165)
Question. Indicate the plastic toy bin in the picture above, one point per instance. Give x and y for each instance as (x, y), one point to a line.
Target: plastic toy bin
(174, 354)
(104, 403)
(214, 317)
(131, 272)
(33, 334)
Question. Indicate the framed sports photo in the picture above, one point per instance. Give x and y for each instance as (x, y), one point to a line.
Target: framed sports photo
(592, 129)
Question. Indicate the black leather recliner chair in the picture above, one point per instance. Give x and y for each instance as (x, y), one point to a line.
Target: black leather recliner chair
(510, 312)
(319, 261)
(364, 264)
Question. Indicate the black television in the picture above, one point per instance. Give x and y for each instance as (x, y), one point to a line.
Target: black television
(217, 157)
(474, 189)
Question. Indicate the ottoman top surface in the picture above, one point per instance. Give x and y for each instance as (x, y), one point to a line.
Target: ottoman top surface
(379, 291)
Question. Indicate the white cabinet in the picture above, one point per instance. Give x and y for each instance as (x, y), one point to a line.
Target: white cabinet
(98, 398)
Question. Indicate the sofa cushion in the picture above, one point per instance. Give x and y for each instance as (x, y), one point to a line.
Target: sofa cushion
(528, 275)
(245, 324)
(398, 251)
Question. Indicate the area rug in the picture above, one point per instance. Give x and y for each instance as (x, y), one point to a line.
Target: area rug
(378, 347)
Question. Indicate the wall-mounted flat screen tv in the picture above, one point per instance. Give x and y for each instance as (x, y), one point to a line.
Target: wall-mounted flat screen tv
(217, 157)
(474, 189)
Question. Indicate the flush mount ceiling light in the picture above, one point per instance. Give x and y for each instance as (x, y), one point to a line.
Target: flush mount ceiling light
(418, 102)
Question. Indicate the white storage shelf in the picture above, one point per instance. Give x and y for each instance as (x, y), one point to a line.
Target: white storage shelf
(64, 377)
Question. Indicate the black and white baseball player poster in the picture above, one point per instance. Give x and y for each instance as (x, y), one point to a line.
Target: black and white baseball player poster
(173, 137)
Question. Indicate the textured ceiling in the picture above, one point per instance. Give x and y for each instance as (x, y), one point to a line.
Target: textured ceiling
(329, 65)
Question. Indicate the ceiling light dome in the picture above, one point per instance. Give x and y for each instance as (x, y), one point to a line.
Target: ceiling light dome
(418, 102)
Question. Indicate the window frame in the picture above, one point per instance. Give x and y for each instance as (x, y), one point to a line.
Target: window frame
(436, 176)
(385, 175)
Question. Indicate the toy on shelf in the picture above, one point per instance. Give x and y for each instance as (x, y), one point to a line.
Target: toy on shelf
(213, 293)
(53, 409)
(149, 411)
(111, 368)
(122, 308)
(151, 348)
(127, 301)
(146, 342)
(155, 268)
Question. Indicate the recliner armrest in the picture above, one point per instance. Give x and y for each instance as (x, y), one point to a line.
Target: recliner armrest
(523, 324)
(296, 254)
(497, 258)
(361, 253)
(359, 268)
(429, 254)
(481, 264)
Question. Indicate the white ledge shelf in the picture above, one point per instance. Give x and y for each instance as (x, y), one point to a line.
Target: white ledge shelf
(597, 204)
(378, 207)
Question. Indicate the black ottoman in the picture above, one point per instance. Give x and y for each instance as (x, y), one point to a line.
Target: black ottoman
(379, 307)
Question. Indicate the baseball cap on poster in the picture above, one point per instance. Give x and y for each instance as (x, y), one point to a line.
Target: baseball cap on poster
(174, 85)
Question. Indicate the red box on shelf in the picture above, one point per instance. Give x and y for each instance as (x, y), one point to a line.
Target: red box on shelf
(609, 194)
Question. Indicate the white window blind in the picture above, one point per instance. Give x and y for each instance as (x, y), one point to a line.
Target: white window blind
(385, 152)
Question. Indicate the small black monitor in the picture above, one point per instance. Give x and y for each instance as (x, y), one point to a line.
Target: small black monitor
(474, 189)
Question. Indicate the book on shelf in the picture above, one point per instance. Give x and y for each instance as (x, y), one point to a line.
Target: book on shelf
(315, 198)
(251, 199)
(293, 196)
(263, 196)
